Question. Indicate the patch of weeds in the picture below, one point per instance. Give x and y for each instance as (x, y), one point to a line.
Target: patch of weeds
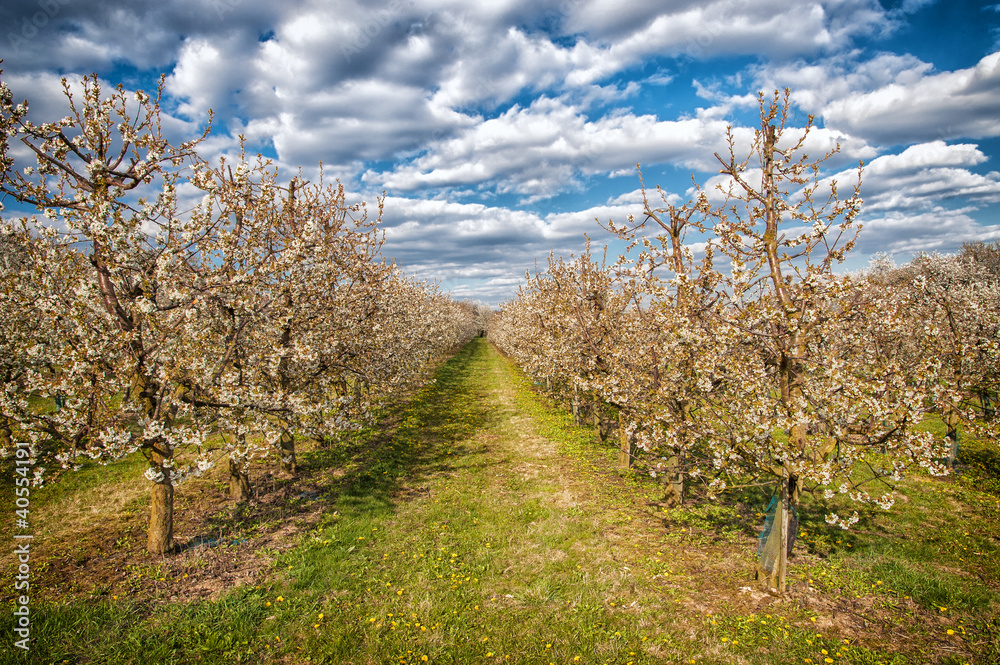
(772, 638)
(930, 588)
(721, 521)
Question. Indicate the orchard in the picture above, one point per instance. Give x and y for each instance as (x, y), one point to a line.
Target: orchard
(759, 364)
(261, 314)
(619, 472)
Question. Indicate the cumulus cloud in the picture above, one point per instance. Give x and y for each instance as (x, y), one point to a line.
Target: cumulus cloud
(94, 35)
(691, 29)
(481, 251)
(947, 105)
(548, 147)
(450, 104)
(938, 229)
(211, 74)
(924, 176)
(817, 83)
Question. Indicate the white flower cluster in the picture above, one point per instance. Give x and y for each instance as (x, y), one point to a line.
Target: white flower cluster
(836, 520)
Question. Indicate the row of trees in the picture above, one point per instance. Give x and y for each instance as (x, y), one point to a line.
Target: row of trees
(189, 311)
(757, 361)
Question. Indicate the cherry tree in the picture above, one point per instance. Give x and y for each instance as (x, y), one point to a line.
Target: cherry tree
(117, 336)
(315, 267)
(953, 304)
(670, 297)
(261, 313)
(803, 395)
(759, 363)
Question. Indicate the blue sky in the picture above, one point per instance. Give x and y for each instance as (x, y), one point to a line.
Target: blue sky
(500, 130)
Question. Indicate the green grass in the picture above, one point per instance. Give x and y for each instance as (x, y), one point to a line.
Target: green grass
(481, 526)
(936, 546)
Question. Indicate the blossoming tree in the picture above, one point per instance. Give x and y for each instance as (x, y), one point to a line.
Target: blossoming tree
(760, 362)
(131, 324)
(120, 334)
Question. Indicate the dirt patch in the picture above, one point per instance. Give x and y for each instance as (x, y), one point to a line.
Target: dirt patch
(222, 546)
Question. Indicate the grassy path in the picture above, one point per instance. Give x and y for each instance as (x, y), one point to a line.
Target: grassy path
(489, 551)
(478, 526)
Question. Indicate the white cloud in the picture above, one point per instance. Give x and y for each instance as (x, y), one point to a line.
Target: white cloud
(208, 75)
(545, 149)
(481, 251)
(634, 30)
(948, 105)
(924, 176)
(817, 83)
(937, 229)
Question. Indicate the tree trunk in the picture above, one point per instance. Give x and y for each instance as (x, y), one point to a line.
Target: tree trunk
(576, 407)
(785, 504)
(597, 420)
(160, 539)
(772, 563)
(675, 466)
(675, 480)
(624, 444)
(239, 482)
(989, 411)
(951, 422)
(287, 444)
